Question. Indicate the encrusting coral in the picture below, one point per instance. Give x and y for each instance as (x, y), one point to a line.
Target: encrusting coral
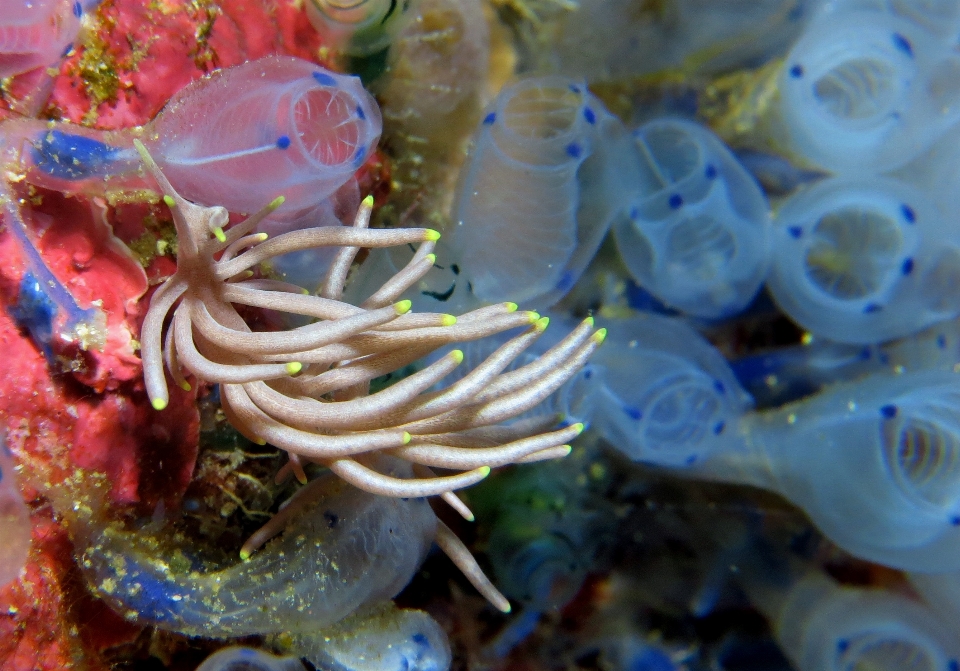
(306, 390)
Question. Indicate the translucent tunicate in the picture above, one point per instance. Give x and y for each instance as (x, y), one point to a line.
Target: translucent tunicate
(34, 33)
(823, 626)
(863, 261)
(14, 519)
(349, 550)
(277, 123)
(867, 91)
(384, 638)
(248, 659)
(666, 395)
(697, 233)
(544, 180)
(874, 463)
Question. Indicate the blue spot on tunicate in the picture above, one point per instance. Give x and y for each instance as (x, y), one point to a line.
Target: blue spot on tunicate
(691, 460)
(77, 10)
(574, 150)
(907, 266)
(796, 13)
(490, 118)
(884, 359)
(710, 172)
(283, 142)
(589, 115)
(566, 281)
(324, 79)
(903, 44)
(66, 51)
(843, 644)
(720, 387)
(675, 201)
(941, 341)
(953, 665)
(587, 374)
(633, 412)
(575, 89)
(67, 156)
(796, 71)
(420, 639)
(865, 354)
(359, 156)
(634, 213)
(908, 213)
(1, 475)
(35, 312)
(360, 113)
(955, 521)
(871, 308)
(795, 232)
(888, 411)
(718, 428)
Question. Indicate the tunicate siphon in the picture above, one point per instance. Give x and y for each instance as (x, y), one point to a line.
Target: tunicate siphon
(14, 519)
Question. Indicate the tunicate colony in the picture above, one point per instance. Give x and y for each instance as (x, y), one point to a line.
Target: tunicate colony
(864, 257)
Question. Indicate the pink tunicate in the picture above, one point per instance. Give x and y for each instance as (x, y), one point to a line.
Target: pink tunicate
(275, 126)
(34, 33)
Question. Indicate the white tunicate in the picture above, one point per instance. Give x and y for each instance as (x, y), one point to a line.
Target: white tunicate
(666, 396)
(875, 464)
(356, 27)
(864, 261)
(697, 235)
(384, 638)
(867, 91)
(544, 179)
(14, 519)
(238, 658)
(823, 626)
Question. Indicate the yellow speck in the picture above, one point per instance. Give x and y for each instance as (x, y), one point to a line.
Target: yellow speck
(511, 307)
(806, 339)
(600, 336)
(244, 555)
(262, 236)
(457, 356)
(566, 452)
(588, 321)
(169, 201)
(432, 258)
(294, 367)
(533, 316)
(402, 307)
(407, 438)
(185, 386)
(448, 320)
(542, 324)
(431, 235)
(368, 201)
(791, 418)
(579, 427)
(484, 471)
(159, 403)
(219, 234)
(276, 202)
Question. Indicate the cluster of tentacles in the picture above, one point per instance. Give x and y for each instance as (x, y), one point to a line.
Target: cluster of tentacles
(306, 390)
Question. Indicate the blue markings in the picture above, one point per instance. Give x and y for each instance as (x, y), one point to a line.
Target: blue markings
(634, 213)
(710, 172)
(907, 266)
(651, 659)
(359, 156)
(675, 201)
(796, 71)
(574, 150)
(575, 88)
(903, 44)
(796, 232)
(35, 312)
(720, 387)
(589, 116)
(843, 644)
(691, 460)
(360, 113)
(633, 412)
(942, 341)
(324, 79)
(953, 665)
(566, 281)
(955, 521)
(908, 213)
(865, 354)
(490, 118)
(283, 142)
(420, 639)
(719, 427)
(72, 157)
(871, 308)
(1, 475)
(77, 9)
(888, 411)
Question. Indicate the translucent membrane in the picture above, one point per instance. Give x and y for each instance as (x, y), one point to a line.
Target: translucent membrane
(35, 33)
(864, 261)
(356, 27)
(543, 182)
(697, 232)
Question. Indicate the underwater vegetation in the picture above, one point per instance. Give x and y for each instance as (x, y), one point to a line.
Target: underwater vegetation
(644, 313)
